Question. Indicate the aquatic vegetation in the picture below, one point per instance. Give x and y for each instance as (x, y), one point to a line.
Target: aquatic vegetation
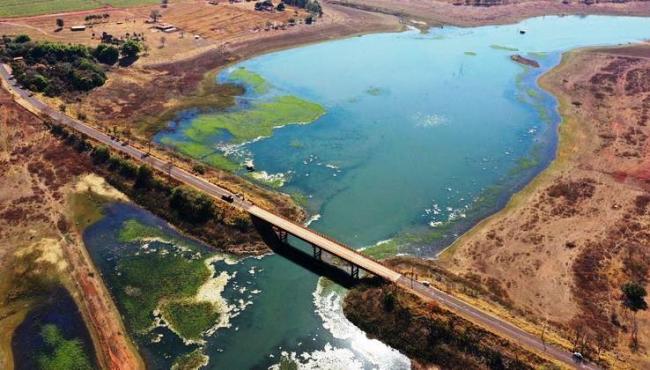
(202, 152)
(258, 121)
(250, 79)
(141, 287)
(470, 53)
(295, 143)
(502, 47)
(299, 198)
(134, 230)
(381, 250)
(374, 91)
(191, 361)
(276, 180)
(190, 319)
(62, 353)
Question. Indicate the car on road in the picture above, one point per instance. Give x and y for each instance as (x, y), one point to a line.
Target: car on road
(425, 283)
(228, 198)
(578, 357)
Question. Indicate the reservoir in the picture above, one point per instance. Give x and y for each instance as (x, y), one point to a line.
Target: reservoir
(404, 138)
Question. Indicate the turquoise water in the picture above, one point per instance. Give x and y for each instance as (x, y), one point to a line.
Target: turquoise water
(418, 137)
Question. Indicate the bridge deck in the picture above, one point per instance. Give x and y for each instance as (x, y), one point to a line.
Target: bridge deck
(326, 244)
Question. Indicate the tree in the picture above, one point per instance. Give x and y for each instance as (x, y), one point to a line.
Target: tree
(59, 23)
(107, 54)
(130, 49)
(634, 299)
(164, 3)
(162, 41)
(21, 39)
(154, 15)
(280, 7)
(101, 154)
(191, 205)
(144, 177)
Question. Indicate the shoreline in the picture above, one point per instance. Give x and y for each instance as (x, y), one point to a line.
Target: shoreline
(560, 158)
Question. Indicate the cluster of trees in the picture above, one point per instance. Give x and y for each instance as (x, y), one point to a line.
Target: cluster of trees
(92, 18)
(56, 68)
(313, 6)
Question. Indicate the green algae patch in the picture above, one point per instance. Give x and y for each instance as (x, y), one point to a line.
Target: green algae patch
(133, 230)
(470, 53)
(250, 79)
(502, 47)
(61, 353)
(258, 121)
(190, 319)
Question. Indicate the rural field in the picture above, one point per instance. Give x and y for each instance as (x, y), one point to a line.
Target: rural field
(24, 8)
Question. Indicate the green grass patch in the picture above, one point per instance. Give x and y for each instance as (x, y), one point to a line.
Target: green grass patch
(61, 353)
(86, 208)
(502, 47)
(259, 121)
(190, 319)
(249, 79)
(143, 281)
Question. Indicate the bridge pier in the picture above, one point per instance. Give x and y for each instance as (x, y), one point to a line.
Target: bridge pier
(354, 271)
(318, 252)
(283, 235)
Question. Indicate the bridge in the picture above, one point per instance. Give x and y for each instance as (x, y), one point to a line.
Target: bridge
(284, 227)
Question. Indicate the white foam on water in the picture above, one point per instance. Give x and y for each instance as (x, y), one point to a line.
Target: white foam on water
(312, 219)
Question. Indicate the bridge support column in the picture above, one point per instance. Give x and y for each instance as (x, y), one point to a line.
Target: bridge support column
(283, 235)
(354, 271)
(318, 253)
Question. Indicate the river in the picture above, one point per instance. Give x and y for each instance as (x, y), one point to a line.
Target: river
(423, 134)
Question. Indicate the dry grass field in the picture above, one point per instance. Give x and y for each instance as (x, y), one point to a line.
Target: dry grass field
(201, 26)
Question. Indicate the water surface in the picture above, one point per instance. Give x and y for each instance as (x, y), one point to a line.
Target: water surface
(423, 133)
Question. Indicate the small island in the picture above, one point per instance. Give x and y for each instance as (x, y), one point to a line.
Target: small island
(525, 61)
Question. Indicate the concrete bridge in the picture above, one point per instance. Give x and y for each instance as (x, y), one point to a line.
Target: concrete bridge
(284, 227)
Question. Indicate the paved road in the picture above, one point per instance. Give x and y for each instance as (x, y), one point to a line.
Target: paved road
(310, 236)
